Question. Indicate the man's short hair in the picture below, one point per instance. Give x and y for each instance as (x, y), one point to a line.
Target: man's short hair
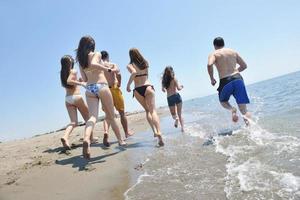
(104, 55)
(219, 42)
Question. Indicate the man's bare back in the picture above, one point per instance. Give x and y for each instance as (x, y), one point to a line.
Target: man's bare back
(225, 60)
(112, 77)
(231, 82)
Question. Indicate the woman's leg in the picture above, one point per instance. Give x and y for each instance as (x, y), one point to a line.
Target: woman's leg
(124, 123)
(93, 106)
(108, 106)
(84, 111)
(150, 102)
(179, 109)
(141, 100)
(73, 117)
(105, 136)
(174, 115)
(105, 127)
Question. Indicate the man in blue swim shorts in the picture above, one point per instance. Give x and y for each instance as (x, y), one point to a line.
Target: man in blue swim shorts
(231, 82)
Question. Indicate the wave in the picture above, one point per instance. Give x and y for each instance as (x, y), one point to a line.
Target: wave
(253, 170)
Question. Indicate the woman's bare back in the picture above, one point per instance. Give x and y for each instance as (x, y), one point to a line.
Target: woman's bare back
(75, 90)
(93, 73)
(141, 77)
(172, 89)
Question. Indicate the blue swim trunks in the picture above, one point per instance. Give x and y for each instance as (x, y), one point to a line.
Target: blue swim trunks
(233, 85)
(174, 99)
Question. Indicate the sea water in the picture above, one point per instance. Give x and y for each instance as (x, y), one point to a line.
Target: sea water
(218, 159)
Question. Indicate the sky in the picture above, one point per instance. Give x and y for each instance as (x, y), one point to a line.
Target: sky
(35, 34)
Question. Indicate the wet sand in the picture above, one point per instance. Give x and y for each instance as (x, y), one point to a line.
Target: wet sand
(36, 168)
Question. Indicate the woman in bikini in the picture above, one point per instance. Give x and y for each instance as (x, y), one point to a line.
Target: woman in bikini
(73, 100)
(144, 91)
(170, 84)
(92, 71)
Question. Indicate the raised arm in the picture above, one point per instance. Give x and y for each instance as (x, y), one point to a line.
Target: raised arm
(210, 68)
(72, 79)
(179, 87)
(95, 62)
(132, 71)
(241, 62)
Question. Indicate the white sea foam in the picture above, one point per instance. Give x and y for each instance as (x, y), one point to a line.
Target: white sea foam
(139, 180)
(288, 181)
(196, 130)
(254, 174)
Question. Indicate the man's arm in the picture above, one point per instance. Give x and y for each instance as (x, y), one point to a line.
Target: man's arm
(119, 78)
(241, 62)
(210, 68)
(96, 62)
(118, 75)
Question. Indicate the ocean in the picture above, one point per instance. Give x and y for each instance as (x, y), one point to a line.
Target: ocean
(218, 159)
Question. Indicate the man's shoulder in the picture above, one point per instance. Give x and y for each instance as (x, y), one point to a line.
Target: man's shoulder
(212, 53)
(224, 52)
(229, 50)
(112, 64)
(96, 53)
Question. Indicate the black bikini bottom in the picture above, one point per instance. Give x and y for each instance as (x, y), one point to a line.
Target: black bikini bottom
(142, 89)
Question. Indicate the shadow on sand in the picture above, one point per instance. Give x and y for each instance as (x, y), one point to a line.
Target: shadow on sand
(86, 165)
(83, 164)
(61, 149)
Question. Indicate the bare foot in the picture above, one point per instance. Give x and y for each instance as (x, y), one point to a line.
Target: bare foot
(86, 150)
(247, 118)
(122, 143)
(176, 123)
(65, 143)
(128, 134)
(105, 140)
(182, 130)
(235, 118)
(160, 141)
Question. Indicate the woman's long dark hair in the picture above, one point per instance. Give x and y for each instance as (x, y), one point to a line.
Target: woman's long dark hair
(67, 63)
(137, 59)
(168, 77)
(85, 46)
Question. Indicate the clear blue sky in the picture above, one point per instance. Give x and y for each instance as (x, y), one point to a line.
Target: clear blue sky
(35, 34)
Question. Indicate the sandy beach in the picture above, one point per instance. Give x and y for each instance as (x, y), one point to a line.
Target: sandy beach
(35, 168)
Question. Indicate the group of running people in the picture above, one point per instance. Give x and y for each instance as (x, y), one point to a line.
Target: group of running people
(102, 81)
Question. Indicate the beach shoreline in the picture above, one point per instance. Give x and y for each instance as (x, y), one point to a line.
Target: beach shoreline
(35, 168)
